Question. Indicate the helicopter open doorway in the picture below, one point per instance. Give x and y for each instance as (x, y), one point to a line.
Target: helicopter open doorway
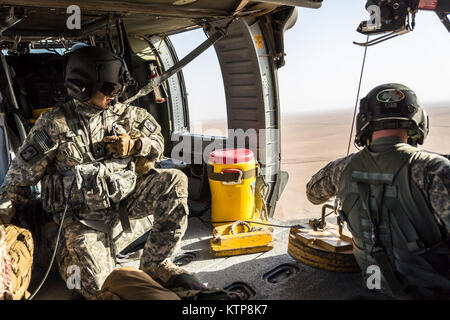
(33, 58)
(257, 37)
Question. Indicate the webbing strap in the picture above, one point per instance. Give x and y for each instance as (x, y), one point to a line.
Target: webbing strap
(80, 139)
(97, 225)
(124, 219)
(231, 176)
(382, 260)
(372, 177)
(413, 243)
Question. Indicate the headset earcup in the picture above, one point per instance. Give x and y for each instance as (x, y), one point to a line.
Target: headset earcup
(361, 119)
(75, 88)
(76, 91)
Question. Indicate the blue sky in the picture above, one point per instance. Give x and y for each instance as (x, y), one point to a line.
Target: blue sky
(323, 65)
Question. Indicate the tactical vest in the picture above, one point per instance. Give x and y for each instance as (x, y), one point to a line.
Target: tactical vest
(392, 224)
(91, 184)
(78, 135)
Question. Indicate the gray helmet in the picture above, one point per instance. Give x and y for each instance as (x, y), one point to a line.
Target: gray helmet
(391, 106)
(89, 69)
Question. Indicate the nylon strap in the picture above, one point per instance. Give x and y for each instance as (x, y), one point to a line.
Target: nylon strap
(124, 219)
(231, 176)
(80, 139)
(397, 289)
(372, 178)
(413, 242)
(97, 225)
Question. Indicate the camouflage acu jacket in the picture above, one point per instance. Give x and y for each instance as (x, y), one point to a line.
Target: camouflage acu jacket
(49, 153)
(430, 172)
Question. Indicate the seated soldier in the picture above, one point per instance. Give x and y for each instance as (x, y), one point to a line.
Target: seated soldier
(395, 198)
(94, 161)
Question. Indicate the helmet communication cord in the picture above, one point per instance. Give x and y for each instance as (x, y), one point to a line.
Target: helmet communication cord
(57, 242)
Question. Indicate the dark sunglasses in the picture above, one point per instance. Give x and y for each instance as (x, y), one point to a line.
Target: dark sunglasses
(111, 89)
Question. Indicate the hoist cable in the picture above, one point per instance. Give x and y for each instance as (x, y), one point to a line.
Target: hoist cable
(298, 226)
(357, 96)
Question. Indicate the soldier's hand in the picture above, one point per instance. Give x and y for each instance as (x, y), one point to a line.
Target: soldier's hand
(122, 145)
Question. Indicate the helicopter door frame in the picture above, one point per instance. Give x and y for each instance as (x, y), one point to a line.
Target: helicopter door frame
(176, 89)
(250, 79)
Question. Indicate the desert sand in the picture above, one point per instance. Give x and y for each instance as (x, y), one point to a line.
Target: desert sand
(310, 140)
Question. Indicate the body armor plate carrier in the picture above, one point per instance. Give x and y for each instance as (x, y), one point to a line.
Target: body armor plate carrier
(392, 224)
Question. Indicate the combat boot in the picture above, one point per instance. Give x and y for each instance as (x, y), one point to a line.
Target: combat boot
(172, 276)
(184, 284)
(164, 271)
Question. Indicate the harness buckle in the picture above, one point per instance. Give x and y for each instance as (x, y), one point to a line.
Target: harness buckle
(375, 250)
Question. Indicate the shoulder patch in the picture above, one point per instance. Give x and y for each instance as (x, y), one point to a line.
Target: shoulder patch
(148, 127)
(29, 153)
(36, 148)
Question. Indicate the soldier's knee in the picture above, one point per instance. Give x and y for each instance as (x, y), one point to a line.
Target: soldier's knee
(181, 186)
(179, 182)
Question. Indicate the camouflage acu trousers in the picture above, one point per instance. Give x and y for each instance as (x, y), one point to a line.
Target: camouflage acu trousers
(161, 193)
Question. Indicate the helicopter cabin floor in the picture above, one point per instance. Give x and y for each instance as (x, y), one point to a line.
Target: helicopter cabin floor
(246, 273)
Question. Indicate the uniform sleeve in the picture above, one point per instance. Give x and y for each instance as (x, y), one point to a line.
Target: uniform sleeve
(324, 184)
(29, 165)
(432, 175)
(152, 141)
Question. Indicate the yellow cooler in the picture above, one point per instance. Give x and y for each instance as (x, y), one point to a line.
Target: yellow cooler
(232, 178)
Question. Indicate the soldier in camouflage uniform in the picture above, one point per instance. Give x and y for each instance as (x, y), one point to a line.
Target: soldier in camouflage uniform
(395, 198)
(95, 161)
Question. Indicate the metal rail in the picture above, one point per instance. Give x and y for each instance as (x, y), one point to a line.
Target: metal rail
(20, 127)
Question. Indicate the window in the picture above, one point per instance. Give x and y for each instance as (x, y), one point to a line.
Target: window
(204, 85)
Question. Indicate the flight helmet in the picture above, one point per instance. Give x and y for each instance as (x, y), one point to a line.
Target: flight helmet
(90, 69)
(391, 106)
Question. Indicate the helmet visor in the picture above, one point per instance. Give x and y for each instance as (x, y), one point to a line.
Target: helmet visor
(110, 89)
